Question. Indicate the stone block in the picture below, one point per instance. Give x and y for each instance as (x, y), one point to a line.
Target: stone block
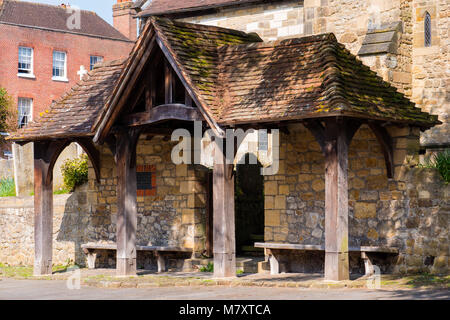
(318, 185)
(181, 170)
(271, 188)
(272, 218)
(377, 182)
(372, 234)
(364, 210)
(280, 202)
(283, 190)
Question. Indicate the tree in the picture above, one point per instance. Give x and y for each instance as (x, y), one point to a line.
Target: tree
(8, 114)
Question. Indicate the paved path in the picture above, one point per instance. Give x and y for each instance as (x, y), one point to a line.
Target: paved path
(57, 290)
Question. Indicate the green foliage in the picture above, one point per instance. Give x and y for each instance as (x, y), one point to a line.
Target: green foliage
(8, 114)
(240, 272)
(208, 268)
(440, 162)
(75, 172)
(7, 187)
(61, 191)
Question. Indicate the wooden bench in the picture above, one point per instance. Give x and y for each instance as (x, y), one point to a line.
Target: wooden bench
(90, 248)
(275, 264)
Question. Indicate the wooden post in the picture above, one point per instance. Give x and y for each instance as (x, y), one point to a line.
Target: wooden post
(168, 83)
(209, 215)
(127, 201)
(43, 210)
(224, 224)
(334, 139)
(336, 202)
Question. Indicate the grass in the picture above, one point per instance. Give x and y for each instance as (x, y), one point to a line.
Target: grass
(56, 192)
(26, 272)
(418, 281)
(7, 187)
(61, 191)
(428, 280)
(208, 268)
(440, 162)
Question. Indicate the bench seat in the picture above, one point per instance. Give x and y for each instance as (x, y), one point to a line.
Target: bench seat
(90, 248)
(275, 265)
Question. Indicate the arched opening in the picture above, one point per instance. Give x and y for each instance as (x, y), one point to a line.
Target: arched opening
(427, 30)
(249, 206)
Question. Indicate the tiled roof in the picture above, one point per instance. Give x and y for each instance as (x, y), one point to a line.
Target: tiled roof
(55, 18)
(312, 76)
(75, 112)
(160, 7)
(308, 77)
(235, 79)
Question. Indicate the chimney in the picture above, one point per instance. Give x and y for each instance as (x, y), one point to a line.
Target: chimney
(123, 12)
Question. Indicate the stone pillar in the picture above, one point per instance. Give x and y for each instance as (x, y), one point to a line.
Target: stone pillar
(23, 168)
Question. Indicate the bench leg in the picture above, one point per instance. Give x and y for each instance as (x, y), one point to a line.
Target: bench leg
(91, 257)
(161, 262)
(367, 264)
(274, 263)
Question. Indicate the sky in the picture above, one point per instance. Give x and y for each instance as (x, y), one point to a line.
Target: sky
(102, 7)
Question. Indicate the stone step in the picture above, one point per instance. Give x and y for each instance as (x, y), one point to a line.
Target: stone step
(243, 264)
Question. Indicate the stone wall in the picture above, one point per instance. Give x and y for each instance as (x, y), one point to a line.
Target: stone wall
(271, 20)
(431, 73)
(70, 225)
(6, 168)
(174, 216)
(409, 212)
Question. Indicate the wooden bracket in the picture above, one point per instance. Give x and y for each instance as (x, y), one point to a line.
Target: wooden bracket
(386, 144)
(93, 154)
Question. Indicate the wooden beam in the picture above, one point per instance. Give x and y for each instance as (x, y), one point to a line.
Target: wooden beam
(126, 201)
(187, 99)
(224, 220)
(43, 209)
(168, 83)
(163, 113)
(318, 131)
(387, 146)
(149, 90)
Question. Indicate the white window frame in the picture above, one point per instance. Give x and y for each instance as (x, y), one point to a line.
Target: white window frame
(19, 105)
(59, 78)
(30, 74)
(91, 66)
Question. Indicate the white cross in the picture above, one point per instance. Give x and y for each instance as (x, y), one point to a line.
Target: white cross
(82, 72)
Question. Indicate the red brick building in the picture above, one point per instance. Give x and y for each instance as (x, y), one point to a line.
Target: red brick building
(44, 49)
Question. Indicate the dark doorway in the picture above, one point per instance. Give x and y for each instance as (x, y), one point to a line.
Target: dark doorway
(249, 207)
